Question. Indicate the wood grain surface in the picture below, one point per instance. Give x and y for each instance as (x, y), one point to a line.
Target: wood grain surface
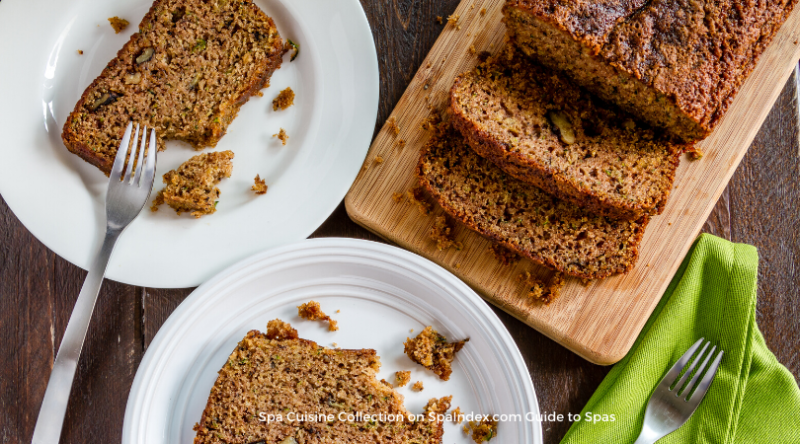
(38, 289)
(600, 320)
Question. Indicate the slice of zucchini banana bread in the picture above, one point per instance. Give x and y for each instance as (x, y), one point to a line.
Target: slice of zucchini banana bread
(542, 129)
(274, 388)
(186, 73)
(674, 64)
(522, 217)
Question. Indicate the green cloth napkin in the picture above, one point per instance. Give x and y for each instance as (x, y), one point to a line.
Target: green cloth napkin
(753, 399)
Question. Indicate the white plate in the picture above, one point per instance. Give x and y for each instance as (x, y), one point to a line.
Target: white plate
(382, 292)
(60, 198)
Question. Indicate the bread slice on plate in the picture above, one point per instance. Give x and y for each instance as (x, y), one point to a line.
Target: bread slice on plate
(677, 65)
(544, 130)
(271, 380)
(186, 72)
(522, 217)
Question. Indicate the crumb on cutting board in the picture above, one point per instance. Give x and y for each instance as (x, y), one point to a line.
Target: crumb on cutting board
(503, 254)
(441, 232)
(391, 124)
(539, 290)
(417, 197)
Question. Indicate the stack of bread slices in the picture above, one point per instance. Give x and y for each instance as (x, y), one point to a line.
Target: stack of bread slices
(562, 146)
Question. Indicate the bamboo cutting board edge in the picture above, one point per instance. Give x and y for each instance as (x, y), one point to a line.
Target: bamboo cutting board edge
(600, 321)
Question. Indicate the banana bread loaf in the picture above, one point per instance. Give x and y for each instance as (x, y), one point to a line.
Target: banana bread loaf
(520, 216)
(542, 129)
(185, 73)
(271, 379)
(675, 64)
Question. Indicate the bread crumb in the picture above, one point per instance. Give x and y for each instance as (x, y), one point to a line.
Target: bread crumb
(504, 255)
(378, 160)
(439, 19)
(336, 345)
(482, 431)
(545, 292)
(402, 378)
(260, 187)
(585, 282)
(397, 197)
(417, 387)
(432, 351)
(401, 143)
(416, 196)
(695, 153)
(458, 417)
(458, 265)
(472, 50)
(483, 11)
(453, 20)
(442, 233)
(191, 188)
(119, 24)
(429, 123)
(391, 124)
(312, 311)
(282, 136)
(411, 330)
(80, 52)
(338, 311)
(259, 94)
(284, 100)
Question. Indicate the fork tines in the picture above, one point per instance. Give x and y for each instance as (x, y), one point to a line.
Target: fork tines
(126, 155)
(693, 388)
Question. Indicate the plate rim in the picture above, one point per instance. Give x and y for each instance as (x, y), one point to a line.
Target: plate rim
(355, 247)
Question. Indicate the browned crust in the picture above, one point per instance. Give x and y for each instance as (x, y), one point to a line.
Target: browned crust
(548, 179)
(465, 220)
(257, 82)
(592, 25)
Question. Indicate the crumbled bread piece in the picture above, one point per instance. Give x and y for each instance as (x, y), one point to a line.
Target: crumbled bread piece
(438, 406)
(482, 431)
(695, 153)
(397, 197)
(284, 100)
(337, 345)
(338, 311)
(282, 136)
(416, 196)
(80, 52)
(378, 160)
(430, 122)
(119, 24)
(472, 50)
(402, 378)
(401, 143)
(260, 187)
(391, 124)
(417, 387)
(439, 19)
(279, 330)
(432, 351)
(458, 417)
(504, 255)
(483, 11)
(453, 19)
(441, 233)
(312, 311)
(193, 186)
(545, 292)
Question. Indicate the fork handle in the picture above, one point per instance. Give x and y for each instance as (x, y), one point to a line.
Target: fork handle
(54, 406)
(648, 436)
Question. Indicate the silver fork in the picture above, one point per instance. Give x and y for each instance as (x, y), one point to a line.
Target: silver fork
(126, 196)
(670, 408)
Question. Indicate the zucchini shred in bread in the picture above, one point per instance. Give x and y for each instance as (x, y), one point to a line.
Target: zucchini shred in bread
(544, 130)
(186, 73)
(277, 373)
(522, 217)
(675, 64)
(193, 186)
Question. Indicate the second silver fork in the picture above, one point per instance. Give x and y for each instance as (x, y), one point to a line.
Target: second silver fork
(673, 401)
(127, 194)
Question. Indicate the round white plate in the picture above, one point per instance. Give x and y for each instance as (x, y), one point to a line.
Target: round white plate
(61, 199)
(381, 291)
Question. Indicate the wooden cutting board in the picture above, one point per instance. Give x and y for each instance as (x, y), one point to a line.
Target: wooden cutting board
(600, 320)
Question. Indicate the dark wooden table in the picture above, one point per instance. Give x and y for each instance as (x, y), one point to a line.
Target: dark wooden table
(761, 206)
